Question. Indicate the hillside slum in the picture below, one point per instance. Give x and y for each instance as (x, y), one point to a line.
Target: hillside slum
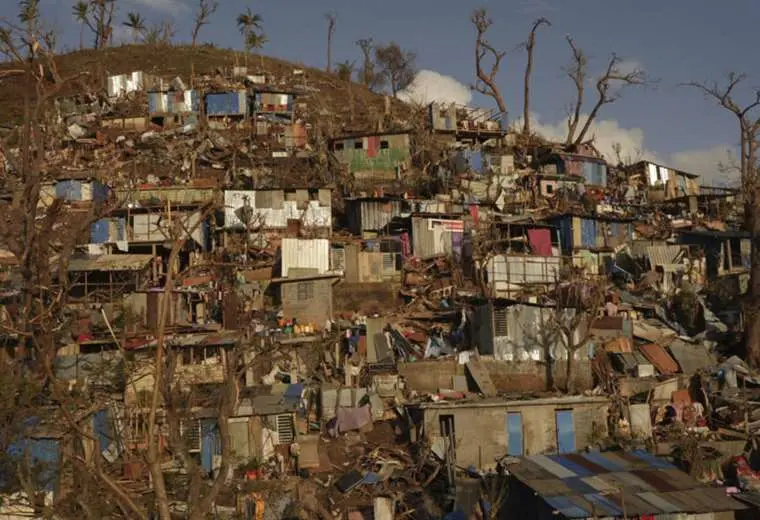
(424, 315)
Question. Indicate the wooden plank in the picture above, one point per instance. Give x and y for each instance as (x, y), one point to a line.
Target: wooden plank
(482, 378)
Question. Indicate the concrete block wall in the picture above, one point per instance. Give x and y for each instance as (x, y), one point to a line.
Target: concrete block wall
(481, 432)
(314, 310)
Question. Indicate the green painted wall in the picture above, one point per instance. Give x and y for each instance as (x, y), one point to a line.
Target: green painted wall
(385, 160)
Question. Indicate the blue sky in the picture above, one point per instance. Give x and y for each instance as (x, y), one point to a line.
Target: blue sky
(675, 41)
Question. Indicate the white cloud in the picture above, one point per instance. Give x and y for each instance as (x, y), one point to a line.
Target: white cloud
(168, 6)
(708, 162)
(606, 133)
(715, 164)
(429, 86)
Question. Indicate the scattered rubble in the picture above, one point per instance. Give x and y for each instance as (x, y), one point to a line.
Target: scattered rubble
(398, 349)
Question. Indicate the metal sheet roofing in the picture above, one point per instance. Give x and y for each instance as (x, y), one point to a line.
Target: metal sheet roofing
(586, 485)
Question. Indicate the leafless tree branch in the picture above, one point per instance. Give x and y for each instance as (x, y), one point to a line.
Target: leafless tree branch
(529, 46)
(486, 81)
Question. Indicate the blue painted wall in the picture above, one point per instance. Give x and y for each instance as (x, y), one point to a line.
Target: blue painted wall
(227, 104)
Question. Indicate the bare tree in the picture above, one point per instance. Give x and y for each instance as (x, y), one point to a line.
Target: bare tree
(332, 19)
(97, 15)
(369, 77)
(577, 71)
(396, 65)
(485, 82)
(160, 33)
(529, 46)
(41, 237)
(608, 86)
(748, 119)
(206, 9)
(577, 304)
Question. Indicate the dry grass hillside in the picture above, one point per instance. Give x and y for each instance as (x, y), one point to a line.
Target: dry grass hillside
(338, 105)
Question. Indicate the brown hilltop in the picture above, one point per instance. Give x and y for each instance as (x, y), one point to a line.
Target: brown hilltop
(327, 97)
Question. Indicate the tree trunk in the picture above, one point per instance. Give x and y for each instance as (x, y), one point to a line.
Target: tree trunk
(570, 371)
(752, 302)
(526, 88)
(329, 50)
(351, 102)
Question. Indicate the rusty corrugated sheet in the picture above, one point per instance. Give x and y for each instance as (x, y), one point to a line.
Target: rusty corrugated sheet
(661, 360)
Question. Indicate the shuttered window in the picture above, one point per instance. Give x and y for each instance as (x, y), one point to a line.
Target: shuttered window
(389, 263)
(306, 290)
(500, 322)
(285, 429)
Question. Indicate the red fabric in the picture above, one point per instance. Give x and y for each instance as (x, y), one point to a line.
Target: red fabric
(540, 241)
(475, 213)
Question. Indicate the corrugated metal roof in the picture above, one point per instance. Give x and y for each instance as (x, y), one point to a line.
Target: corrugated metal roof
(664, 255)
(110, 263)
(645, 483)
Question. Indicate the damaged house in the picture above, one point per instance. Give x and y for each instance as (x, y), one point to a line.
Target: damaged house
(592, 239)
(380, 157)
(510, 427)
(529, 339)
